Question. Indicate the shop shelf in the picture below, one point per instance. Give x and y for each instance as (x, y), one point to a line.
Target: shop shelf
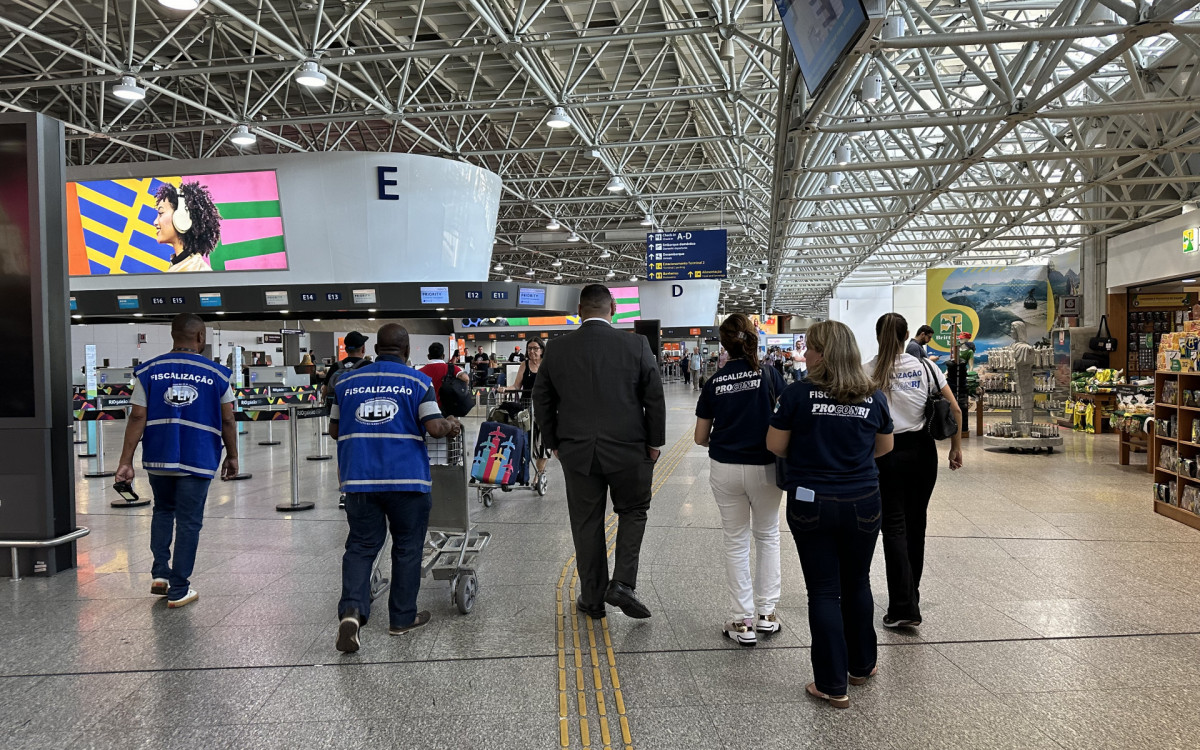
(1165, 405)
(1191, 408)
(1186, 478)
(1178, 514)
(1161, 438)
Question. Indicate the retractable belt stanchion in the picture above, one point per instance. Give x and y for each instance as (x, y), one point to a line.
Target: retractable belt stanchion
(86, 451)
(322, 453)
(80, 436)
(270, 434)
(294, 444)
(99, 472)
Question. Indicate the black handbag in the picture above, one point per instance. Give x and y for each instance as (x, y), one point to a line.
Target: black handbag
(455, 396)
(1103, 341)
(781, 467)
(939, 419)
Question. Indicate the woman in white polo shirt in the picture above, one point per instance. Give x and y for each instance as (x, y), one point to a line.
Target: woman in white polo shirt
(907, 475)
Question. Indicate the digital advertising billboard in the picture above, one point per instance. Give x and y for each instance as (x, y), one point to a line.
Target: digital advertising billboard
(175, 224)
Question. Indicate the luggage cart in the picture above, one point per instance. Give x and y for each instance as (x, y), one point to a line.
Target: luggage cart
(539, 482)
(451, 544)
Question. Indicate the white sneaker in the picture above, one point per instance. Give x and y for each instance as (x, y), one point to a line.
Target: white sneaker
(768, 623)
(191, 596)
(160, 587)
(741, 632)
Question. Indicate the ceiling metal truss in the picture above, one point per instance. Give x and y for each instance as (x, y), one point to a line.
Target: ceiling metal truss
(676, 97)
(1004, 131)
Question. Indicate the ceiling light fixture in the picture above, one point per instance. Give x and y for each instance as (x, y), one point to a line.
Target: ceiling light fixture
(180, 4)
(242, 136)
(508, 279)
(558, 118)
(606, 254)
(872, 84)
(129, 90)
(647, 221)
(833, 180)
(530, 272)
(554, 226)
(727, 49)
(573, 238)
(558, 277)
(557, 263)
(615, 184)
(633, 277)
(309, 75)
(498, 267)
(843, 154)
(611, 273)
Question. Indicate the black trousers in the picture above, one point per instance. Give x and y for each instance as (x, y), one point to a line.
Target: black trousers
(587, 499)
(906, 479)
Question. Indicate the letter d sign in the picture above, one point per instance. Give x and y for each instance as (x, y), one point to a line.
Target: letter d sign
(676, 290)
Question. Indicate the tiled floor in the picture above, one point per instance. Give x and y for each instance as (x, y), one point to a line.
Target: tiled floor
(1060, 612)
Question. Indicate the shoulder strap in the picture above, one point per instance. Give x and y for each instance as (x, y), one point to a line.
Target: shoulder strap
(932, 378)
(1102, 330)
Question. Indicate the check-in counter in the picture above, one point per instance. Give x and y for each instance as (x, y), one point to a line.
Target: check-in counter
(114, 375)
(278, 375)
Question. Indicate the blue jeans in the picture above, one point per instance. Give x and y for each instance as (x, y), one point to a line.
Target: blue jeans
(836, 539)
(369, 514)
(178, 510)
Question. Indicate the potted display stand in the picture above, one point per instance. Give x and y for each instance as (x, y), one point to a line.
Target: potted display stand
(1023, 441)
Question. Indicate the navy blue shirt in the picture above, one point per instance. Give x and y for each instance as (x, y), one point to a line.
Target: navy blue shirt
(832, 448)
(738, 401)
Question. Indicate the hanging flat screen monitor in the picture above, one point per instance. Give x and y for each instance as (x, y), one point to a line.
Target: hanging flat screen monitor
(175, 223)
(821, 31)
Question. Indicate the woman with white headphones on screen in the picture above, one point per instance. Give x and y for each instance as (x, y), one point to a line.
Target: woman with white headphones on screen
(188, 221)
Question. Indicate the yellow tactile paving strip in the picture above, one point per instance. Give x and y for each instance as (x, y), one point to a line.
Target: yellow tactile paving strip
(574, 652)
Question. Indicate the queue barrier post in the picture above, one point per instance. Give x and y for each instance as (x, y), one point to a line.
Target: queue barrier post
(80, 434)
(322, 453)
(88, 436)
(270, 433)
(294, 443)
(100, 471)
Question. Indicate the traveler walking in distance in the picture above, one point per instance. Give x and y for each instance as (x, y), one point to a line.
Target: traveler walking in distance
(694, 364)
(378, 416)
(599, 403)
(182, 405)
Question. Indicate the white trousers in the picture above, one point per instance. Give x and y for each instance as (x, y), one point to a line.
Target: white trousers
(749, 503)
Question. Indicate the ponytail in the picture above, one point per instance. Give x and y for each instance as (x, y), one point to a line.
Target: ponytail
(740, 339)
(891, 330)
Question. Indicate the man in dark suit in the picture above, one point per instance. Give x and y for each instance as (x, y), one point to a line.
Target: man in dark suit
(599, 403)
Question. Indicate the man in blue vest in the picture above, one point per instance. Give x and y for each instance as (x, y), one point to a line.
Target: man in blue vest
(182, 405)
(379, 415)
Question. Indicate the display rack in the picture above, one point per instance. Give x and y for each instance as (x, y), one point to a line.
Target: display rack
(1168, 404)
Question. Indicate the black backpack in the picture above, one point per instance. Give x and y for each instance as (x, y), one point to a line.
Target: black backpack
(455, 396)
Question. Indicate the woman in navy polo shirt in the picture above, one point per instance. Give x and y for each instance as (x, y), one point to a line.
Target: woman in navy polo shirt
(830, 428)
(731, 419)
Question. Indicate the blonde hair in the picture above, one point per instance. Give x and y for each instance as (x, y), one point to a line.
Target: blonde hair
(839, 372)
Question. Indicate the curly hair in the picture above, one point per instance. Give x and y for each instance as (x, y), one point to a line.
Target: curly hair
(205, 233)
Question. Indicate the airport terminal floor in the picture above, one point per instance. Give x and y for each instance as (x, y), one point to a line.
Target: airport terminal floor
(1060, 612)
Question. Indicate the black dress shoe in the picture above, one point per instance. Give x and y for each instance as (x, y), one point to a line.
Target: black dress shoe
(620, 595)
(595, 613)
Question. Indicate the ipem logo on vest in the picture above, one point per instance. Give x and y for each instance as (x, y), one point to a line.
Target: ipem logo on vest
(180, 395)
(377, 411)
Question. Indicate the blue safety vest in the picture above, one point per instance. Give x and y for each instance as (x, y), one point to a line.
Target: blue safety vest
(381, 441)
(183, 413)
